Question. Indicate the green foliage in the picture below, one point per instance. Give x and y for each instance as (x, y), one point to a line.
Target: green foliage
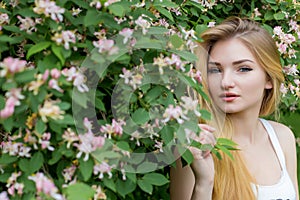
(95, 85)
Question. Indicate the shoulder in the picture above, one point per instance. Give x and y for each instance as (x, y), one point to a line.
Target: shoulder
(285, 135)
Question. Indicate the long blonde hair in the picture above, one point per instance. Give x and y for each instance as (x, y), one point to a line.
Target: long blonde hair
(232, 179)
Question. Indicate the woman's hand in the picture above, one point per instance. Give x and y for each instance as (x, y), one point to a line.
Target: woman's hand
(203, 164)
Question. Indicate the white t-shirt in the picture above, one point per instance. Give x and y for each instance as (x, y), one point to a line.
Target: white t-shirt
(284, 189)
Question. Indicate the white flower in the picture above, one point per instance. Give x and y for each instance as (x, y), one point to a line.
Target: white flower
(49, 9)
(144, 24)
(127, 34)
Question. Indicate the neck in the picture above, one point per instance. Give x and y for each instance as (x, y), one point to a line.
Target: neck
(246, 128)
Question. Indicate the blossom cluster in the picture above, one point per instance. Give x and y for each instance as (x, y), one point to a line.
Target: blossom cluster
(47, 56)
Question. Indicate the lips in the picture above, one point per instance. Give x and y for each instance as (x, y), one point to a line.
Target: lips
(229, 96)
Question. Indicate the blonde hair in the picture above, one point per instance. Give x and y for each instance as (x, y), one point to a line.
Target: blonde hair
(232, 179)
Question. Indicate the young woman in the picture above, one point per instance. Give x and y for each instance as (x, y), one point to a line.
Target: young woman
(242, 75)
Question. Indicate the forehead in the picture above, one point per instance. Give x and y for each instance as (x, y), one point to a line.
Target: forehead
(230, 50)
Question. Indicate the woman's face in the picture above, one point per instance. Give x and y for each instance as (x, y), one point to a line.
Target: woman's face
(235, 79)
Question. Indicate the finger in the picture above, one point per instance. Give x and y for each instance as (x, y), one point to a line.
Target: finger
(207, 138)
(206, 127)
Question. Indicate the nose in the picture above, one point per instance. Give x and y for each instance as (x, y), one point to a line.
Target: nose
(227, 80)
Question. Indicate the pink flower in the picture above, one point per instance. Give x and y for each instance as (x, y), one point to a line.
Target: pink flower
(45, 142)
(190, 105)
(109, 2)
(77, 77)
(102, 168)
(196, 75)
(54, 85)
(68, 173)
(45, 75)
(282, 47)
(283, 89)
(278, 30)
(127, 34)
(106, 46)
(174, 113)
(55, 73)
(211, 24)
(289, 38)
(291, 70)
(88, 125)
(45, 185)
(88, 142)
(70, 136)
(9, 108)
(144, 24)
(96, 3)
(65, 38)
(11, 66)
(27, 24)
(113, 129)
(3, 196)
(49, 9)
(256, 12)
(51, 110)
(175, 60)
(127, 75)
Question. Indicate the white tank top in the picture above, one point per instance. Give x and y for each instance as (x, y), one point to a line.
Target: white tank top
(284, 189)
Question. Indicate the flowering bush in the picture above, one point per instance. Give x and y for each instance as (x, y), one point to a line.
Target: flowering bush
(94, 94)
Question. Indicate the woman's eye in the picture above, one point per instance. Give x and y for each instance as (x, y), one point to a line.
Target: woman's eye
(214, 70)
(245, 69)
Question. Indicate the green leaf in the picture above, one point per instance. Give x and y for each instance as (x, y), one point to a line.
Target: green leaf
(146, 167)
(271, 1)
(86, 168)
(37, 48)
(224, 149)
(188, 157)
(101, 155)
(25, 76)
(205, 114)
(7, 159)
(165, 12)
(176, 41)
(79, 191)
(24, 165)
(5, 38)
(125, 187)
(36, 162)
(145, 186)
(2, 102)
(8, 124)
(109, 183)
(117, 10)
(57, 50)
(64, 105)
(269, 15)
(92, 17)
(68, 119)
(123, 145)
(185, 55)
(227, 142)
(155, 179)
(40, 126)
(140, 116)
(279, 16)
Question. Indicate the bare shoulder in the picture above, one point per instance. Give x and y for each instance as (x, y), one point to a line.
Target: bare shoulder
(284, 133)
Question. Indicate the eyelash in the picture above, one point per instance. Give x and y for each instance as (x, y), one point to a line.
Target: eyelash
(218, 70)
(245, 69)
(213, 70)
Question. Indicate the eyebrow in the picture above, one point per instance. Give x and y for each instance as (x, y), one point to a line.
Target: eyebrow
(234, 63)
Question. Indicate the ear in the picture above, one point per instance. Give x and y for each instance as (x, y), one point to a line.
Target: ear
(268, 85)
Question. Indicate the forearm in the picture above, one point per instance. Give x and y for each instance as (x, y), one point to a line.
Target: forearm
(202, 191)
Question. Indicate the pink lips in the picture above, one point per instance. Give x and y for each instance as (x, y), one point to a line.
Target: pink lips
(229, 96)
